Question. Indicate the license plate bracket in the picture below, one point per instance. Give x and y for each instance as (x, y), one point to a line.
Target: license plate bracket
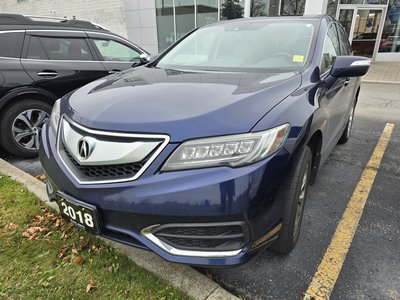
(82, 215)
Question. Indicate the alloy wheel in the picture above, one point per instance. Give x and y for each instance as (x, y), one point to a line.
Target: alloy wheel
(351, 117)
(301, 201)
(27, 127)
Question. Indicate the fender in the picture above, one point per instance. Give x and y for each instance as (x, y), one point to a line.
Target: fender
(20, 91)
(307, 118)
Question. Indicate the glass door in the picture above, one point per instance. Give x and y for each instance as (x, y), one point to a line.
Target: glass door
(363, 26)
(365, 32)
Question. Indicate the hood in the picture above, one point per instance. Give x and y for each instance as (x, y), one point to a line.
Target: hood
(182, 104)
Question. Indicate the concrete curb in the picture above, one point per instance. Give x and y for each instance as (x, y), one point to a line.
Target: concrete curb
(380, 81)
(189, 280)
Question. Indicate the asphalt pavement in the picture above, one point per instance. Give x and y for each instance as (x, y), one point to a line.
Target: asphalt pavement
(371, 269)
(372, 266)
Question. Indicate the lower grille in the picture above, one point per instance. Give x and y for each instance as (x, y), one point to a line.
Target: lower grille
(200, 237)
(106, 171)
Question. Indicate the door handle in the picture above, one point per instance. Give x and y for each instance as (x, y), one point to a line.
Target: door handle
(346, 81)
(114, 71)
(47, 74)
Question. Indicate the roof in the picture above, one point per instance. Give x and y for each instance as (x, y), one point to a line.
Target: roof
(21, 20)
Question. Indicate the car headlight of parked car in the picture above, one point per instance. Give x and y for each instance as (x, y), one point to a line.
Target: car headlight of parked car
(233, 150)
(55, 116)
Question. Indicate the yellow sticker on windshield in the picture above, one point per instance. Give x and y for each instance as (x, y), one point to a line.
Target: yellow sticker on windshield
(298, 58)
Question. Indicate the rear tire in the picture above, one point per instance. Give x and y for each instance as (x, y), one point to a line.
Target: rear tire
(20, 127)
(293, 193)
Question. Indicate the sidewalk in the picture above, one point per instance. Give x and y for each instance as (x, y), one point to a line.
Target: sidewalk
(383, 72)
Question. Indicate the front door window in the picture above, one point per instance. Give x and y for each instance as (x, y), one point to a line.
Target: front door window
(113, 51)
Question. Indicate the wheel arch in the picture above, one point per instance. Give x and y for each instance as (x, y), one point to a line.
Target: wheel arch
(315, 144)
(26, 93)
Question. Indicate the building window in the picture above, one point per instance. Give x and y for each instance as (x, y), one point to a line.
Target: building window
(207, 12)
(165, 23)
(175, 18)
(259, 8)
(232, 9)
(292, 7)
(174, 21)
(390, 41)
(184, 17)
(331, 8)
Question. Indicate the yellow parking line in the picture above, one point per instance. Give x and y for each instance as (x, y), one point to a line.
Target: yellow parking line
(328, 271)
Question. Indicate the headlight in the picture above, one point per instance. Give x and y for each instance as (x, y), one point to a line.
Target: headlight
(233, 150)
(55, 116)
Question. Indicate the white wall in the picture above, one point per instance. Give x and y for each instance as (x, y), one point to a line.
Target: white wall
(108, 13)
(141, 23)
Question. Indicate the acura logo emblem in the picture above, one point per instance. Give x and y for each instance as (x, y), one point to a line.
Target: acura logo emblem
(85, 147)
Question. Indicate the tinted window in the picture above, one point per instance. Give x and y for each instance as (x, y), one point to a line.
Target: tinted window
(58, 48)
(113, 51)
(345, 48)
(66, 48)
(10, 44)
(331, 49)
(35, 49)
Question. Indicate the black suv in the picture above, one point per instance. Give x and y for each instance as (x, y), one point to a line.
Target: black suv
(42, 59)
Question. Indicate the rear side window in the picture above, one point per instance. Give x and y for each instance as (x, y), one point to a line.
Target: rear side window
(58, 48)
(113, 51)
(11, 44)
(35, 49)
(331, 49)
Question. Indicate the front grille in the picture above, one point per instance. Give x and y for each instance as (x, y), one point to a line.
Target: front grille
(106, 171)
(112, 156)
(216, 236)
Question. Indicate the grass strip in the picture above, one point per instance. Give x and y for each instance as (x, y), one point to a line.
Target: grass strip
(43, 257)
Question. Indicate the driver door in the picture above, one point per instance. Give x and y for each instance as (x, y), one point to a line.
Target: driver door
(114, 54)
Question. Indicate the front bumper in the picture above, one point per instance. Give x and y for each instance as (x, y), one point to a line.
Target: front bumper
(213, 197)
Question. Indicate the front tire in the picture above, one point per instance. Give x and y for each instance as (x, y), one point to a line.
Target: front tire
(293, 193)
(347, 131)
(20, 127)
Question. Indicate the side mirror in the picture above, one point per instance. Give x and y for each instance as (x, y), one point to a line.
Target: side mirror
(141, 60)
(350, 66)
(144, 58)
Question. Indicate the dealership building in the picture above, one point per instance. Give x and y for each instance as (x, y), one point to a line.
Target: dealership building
(373, 26)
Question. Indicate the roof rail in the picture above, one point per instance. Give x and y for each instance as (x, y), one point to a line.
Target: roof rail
(42, 18)
(15, 19)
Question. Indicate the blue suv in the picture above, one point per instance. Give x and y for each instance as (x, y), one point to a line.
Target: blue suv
(205, 154)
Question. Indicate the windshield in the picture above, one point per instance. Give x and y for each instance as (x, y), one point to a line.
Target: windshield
(255, 45)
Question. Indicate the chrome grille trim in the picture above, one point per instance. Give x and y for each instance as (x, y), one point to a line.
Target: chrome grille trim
(123, 152)
(60, 145)
(147, 233)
